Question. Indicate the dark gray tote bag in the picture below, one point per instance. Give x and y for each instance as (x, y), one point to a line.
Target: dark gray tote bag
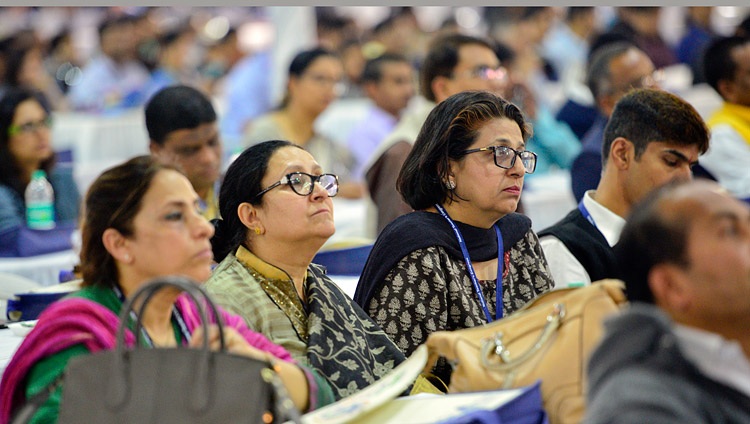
(172, 385)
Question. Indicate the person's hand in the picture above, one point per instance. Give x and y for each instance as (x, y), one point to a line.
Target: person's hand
(233, 341)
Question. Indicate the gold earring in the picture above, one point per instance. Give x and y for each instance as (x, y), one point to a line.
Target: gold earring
(257, 230)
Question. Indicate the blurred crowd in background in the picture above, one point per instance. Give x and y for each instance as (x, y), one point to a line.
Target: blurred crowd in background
(102, 60)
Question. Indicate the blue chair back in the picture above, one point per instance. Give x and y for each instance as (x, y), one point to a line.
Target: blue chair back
(346, 261)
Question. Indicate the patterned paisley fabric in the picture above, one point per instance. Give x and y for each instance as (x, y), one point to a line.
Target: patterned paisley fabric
(328, 332)
(430, 291)
(415, 281)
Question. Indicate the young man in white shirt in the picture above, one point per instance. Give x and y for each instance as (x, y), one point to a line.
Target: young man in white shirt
(652, 137)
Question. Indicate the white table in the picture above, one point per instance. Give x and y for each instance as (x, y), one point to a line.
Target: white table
(8, 344)
(547, 199)
(42, 269)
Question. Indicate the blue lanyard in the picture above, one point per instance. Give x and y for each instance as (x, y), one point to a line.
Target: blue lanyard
(586, 214)
(473, 275)
(176, 315)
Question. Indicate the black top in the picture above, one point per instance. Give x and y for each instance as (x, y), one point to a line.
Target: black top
(418, 230)
(586, 243)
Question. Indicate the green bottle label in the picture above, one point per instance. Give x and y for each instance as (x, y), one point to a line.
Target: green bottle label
(40, 216)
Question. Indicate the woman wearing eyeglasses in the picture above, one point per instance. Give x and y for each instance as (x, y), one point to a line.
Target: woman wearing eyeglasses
(25, 147)
(277, 212)
(314, 82)
(440, 268)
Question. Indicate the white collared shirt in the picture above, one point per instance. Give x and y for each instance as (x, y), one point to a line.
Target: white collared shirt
(565, 268)
(720, 359)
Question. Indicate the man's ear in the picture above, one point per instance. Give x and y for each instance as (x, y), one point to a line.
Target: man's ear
(155, 149)
(440, 87)
(117, 245)
(621, 153)
(726, 89)
(370, 88)
(606, 103)
(668, 284)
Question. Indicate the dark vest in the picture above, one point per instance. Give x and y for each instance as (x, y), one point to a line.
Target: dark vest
(586, 243)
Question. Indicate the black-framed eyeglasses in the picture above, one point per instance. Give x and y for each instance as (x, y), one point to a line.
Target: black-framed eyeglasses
(505, 157)
(303, 184)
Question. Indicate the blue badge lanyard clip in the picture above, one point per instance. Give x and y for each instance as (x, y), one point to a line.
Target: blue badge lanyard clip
(470, 268)
(586, 214)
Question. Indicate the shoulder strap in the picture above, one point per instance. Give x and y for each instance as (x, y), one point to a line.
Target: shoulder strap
(27, 411)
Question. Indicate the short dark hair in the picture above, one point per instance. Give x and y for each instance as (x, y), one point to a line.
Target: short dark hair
(598, 72)
(718, 63)
(174, 108)
(650, 238)
(373, 70)
(442, 59)
(450, 128)
(242, 183)
(647, 115)
(113, 201)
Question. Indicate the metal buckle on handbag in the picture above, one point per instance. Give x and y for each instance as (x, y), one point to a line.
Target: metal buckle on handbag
(495, 348)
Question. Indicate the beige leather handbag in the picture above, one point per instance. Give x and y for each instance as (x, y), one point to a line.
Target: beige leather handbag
(550, 339)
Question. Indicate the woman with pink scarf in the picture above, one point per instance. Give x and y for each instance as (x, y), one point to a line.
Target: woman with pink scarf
(141, 222)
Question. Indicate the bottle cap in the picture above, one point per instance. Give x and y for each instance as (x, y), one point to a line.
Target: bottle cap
(39, 173)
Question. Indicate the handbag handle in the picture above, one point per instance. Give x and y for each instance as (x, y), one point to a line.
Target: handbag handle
(196, 293)
(496, 348)
(118, 391)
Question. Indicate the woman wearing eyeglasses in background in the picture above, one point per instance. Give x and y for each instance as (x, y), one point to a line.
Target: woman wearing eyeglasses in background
(314, 81)
(25, 147)
(439, 268)
(277, 212)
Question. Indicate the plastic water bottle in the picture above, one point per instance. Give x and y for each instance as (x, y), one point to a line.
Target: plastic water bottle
(40, 202)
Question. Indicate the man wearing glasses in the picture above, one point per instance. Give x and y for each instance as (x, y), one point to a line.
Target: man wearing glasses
(643, 150)
(454, 63)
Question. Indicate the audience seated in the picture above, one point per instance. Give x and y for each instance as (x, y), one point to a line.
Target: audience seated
(727, 70)
(174, 62)
(24, 67)
(277, 212)
(24, 148)
(463, 258)
(553, 141)
(314, 76)
(566, 45)
(141, 222)
(246, 94)
(113, 79)
(692, 45)
(613, 70)
(681, 352)
(652, 137)
(388, 81)
(641, 26)
(183, 133)
(454, 63)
